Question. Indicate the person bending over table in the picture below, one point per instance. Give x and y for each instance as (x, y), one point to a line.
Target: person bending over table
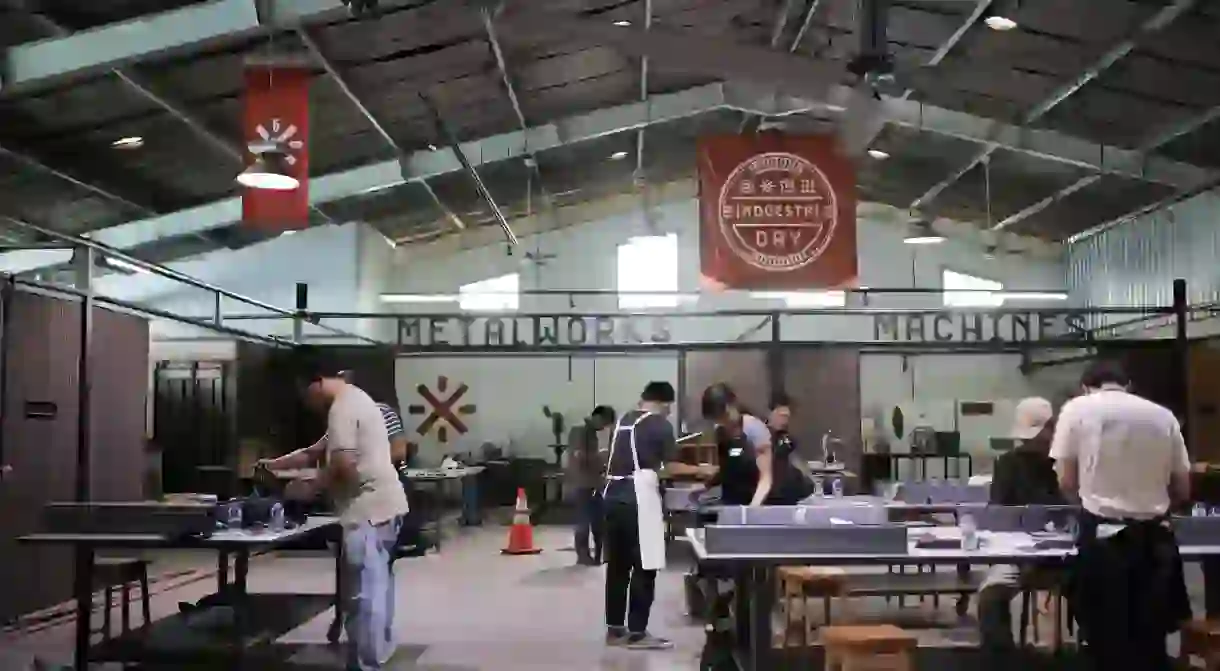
(361, 480)
(642, 444)
(1126, 457)
(586, 464)
(1023, 476)
(743, 444)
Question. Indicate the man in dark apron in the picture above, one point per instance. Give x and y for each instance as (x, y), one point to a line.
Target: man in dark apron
(1126, 459)
(642, 444)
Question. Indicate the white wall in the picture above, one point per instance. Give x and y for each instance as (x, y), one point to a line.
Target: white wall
(508, 392)
(343, 266)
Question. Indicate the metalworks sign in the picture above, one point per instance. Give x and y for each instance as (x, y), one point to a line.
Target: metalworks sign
(947, 326)
(532, 332)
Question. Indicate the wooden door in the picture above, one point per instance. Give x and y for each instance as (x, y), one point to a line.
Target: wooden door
(1204, 417)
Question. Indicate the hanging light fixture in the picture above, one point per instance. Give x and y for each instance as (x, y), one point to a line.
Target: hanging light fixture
(1001, 16)
(269, 171)
(922, 233)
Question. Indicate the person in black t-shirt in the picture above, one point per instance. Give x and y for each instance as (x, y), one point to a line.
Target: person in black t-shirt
(642, 445)
(1023, 476)
(743, 444)
(792, 481)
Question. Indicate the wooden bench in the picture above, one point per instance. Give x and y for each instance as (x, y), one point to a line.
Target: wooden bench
(797, 584)
(883, 646)
(1201, 638)
(122, 572)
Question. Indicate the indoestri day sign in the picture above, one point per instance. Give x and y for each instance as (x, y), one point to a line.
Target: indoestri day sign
(776, 211)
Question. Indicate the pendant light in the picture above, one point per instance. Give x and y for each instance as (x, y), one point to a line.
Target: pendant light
(269, 172)
(1001, 16)
(922, 233)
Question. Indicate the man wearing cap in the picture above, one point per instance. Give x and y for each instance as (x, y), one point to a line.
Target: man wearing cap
(1023, 476)
(362, 482)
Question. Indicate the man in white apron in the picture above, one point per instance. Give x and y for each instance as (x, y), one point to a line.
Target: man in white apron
(642, 444)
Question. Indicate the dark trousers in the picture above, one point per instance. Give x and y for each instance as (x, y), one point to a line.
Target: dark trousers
(588, 523)
(1128, 592)
(629, 589)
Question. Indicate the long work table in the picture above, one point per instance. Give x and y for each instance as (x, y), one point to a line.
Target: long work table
(231, 626)
(755, 570)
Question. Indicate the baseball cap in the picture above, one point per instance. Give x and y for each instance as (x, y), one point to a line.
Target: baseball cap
(1031, 415)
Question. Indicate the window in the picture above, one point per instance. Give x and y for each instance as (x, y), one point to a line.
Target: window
(491, 295)
(967, 291)
(804, 299)
(648, 264)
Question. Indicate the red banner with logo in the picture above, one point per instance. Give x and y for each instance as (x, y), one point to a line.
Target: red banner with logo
(277, 111)
(776, 212)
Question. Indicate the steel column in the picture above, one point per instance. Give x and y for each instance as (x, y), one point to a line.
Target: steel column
(83, 266)
(1181, 354)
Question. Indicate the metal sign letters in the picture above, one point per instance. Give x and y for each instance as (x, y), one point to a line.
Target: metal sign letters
(533, 332)
(965, 327)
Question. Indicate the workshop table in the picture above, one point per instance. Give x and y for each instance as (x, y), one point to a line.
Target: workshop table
(467, 476)
(755, 571)
(257, 619)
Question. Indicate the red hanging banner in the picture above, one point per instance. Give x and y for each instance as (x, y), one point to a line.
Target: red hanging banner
(776, 212)
(277, 112)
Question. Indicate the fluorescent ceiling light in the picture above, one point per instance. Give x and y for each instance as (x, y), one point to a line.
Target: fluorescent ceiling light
(418, 298)
(1035, 296)
(622, 23)
(924, 239)
(130, 142)
(120, 264)
(618, 155)
(1000, 23)
(269, 171)
(878, 154)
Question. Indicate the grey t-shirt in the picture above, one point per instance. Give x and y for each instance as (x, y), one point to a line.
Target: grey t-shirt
(355, 426)
(655, 444)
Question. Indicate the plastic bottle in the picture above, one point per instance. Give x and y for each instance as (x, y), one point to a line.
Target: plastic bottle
(1200, 510)
(818, 491)
(970, 533)
(836, 487)
(234, 515)
(277, 516)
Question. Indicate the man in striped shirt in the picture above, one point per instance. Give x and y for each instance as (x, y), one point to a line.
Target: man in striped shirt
(397, 435)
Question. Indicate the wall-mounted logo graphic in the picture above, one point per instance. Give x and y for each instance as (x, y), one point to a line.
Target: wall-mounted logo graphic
(778, 212)
(442, 413)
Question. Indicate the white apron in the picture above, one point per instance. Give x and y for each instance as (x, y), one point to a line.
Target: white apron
(649, 515)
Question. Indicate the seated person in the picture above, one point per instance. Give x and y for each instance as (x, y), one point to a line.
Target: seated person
(1023, 476)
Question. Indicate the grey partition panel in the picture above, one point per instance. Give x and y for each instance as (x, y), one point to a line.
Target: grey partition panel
(824, 385)
(744, 370)
(794, 540)
(1197, 530)
(120, 411)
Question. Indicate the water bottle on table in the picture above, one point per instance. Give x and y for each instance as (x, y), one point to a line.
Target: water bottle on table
(970, 533)
(233, 515)
(818, 491)
(277, 516)
(836, 487)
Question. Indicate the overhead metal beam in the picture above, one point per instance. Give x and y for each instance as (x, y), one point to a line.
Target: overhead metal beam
(942, 52)
(1157, 141)
(195, 26)
(777, 34)
(531, 161)
(340, 81)
(1156, 23)
(422, 165)
(639, 134)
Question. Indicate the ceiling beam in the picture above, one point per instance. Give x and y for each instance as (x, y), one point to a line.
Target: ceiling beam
(421, 165)
(1116, 53)
(340, 81)
(750, 122)
(111, 46)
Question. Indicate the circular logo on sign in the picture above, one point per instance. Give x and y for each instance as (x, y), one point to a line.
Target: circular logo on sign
(778, 212)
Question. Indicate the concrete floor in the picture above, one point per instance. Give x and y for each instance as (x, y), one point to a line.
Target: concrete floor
(470, 609)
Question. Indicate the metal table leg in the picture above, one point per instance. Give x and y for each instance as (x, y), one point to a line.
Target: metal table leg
(1211, 587)
(83, 588)
(240, 605)
(222, 572)
(759, 588)
(336, 625)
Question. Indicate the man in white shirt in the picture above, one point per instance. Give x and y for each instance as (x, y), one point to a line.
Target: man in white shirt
(1126, 459)
(363, 484)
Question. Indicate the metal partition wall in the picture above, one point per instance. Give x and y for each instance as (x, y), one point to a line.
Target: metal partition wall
(812, 354)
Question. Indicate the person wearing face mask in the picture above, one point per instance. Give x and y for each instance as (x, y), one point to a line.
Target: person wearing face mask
(642, 445)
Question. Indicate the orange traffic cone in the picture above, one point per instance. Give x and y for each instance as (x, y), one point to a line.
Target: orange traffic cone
(521, 533)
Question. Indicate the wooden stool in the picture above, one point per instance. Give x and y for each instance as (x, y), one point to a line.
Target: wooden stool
(799, 583)
(851, 648)
(122, 573)
(1201, 638)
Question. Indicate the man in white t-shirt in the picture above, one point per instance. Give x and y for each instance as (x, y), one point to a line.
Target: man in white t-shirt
(1125, 457)
(363, 484)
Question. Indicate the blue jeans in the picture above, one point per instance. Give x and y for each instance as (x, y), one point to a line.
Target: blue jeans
(589, 521)
(369, 586)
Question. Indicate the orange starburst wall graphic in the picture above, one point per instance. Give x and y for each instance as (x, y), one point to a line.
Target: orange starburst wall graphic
(442, 411)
